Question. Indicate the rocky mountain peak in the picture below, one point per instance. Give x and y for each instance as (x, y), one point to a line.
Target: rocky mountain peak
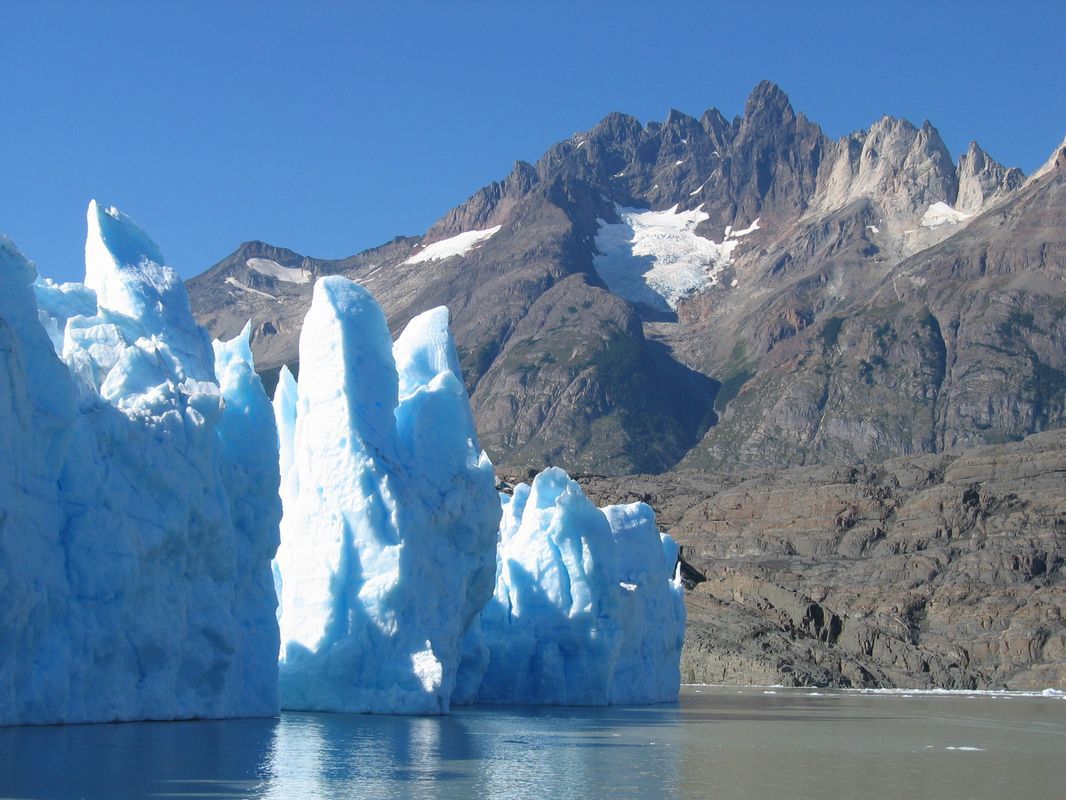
(768, 104)
(983, 180)
(617, 127)
(716, 125)
(769, 236)
(1057, 161)
(679, 119)
(902, 168)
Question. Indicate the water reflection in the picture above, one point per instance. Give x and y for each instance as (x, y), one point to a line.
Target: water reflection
(716, 744)
(155, 759)
(501, 752)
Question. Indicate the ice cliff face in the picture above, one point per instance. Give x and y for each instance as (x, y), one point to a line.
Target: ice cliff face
(391, 522)
(588, 608)
(139, 498)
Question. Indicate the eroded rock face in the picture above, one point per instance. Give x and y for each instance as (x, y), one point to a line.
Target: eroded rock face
(928, 571)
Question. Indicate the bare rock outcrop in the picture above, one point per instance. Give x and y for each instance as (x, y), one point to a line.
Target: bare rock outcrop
(929, 571)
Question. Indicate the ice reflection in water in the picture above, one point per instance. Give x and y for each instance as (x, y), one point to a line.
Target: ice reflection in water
(720, 743)
(475, 753)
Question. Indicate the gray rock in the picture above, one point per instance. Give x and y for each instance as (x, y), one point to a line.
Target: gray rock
(920, 572)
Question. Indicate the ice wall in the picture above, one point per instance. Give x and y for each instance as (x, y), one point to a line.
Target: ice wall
(588, 607)
(138, 498)
(390, 515)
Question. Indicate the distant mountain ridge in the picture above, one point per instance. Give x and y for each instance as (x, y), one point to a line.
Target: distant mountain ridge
(793, 299)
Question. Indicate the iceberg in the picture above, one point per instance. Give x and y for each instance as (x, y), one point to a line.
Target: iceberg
(139, 505)
(588, 607)
(388, 538)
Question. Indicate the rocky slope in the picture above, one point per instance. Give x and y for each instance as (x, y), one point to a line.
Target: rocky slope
(918, 572)
(828, 300)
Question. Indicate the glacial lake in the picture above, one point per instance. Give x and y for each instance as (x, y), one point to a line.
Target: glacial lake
(717, 742)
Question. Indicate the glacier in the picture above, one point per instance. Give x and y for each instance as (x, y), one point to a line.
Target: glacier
(388, 538)
(139, 507)
(588, 607)
(147, 570)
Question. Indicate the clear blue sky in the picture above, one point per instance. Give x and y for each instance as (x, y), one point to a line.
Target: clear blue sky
(329, 128)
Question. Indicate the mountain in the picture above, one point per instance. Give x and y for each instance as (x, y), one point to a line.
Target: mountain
(721, 294)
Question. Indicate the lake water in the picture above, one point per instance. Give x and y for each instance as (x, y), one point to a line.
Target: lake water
(720, 743)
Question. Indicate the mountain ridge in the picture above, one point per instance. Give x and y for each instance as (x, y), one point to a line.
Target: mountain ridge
(582, 384)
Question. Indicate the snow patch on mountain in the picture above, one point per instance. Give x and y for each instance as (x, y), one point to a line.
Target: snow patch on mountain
(940, 213)
(732, 234)
(656, 257)
(234, 282)
(458, 245)
(272, 269)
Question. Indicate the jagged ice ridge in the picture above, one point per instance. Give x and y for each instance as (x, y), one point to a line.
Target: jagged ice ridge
(588, 607)
(139, 512)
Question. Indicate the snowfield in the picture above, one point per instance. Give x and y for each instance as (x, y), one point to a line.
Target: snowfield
(940, 213)
(656, 257)
(458, 245)
(272, 269)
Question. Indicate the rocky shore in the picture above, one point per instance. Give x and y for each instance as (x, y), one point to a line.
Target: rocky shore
(918, 572)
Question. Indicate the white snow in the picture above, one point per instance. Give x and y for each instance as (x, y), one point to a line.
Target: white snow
(391, 517)
(744, 231)
(234, 282)
(873, 229)
(272, 269)
(458, 245)
(700, 189)
(656, 258)
(940, 213)
(679, 162)
(139, 497)
(588, 608)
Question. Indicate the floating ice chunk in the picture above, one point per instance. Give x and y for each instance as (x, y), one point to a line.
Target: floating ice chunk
(588, 608)
(391, 518)
(458, 245)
